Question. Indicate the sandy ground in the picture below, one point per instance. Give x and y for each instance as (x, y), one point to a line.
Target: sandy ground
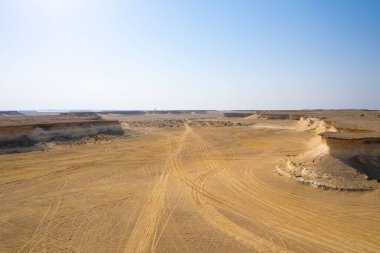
(186, 189)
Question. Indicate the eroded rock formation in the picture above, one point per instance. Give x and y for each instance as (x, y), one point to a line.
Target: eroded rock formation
(15, 138)
(341, 162)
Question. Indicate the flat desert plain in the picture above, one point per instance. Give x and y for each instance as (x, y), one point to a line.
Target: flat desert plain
(179, 189)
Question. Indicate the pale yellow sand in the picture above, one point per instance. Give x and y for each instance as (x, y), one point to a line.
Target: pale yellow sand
(178, 190)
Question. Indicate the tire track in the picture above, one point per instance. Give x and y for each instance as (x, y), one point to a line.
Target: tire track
(42, 230)
(271, 206)
(210, 214)
(144, 234)
(149, 218)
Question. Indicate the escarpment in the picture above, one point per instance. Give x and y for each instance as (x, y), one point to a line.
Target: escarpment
(340, 160)
(17, 138)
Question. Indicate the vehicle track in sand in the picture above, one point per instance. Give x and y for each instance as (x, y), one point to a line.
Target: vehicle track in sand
(146, 234)
(189, 189)
(272, 204)
(266, 204)
(45, 224)
(200, 196)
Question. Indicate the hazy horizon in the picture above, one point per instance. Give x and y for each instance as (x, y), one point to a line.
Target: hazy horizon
(189, 109)
(195, 55)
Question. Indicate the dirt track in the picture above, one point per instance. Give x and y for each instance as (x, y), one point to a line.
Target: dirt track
(178, 190)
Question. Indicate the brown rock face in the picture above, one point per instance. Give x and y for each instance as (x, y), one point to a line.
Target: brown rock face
(29, 135)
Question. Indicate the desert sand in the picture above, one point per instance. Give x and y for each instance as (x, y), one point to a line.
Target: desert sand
(184, 184)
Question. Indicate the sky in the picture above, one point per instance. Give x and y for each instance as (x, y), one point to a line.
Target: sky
(195, 54)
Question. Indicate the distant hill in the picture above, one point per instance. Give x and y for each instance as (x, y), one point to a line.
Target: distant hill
(9, 113)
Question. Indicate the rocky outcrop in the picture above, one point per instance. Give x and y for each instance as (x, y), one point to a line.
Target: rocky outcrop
(314, 126)
(322, 170)
(22, 136)
(9, 113)
(174, 123)
(348, 148)
(340, 163)
(156, 123)
(363, 154)
(219, 123)
(237, 114)
(280, 116)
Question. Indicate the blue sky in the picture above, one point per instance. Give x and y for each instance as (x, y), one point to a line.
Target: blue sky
(94, 54)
